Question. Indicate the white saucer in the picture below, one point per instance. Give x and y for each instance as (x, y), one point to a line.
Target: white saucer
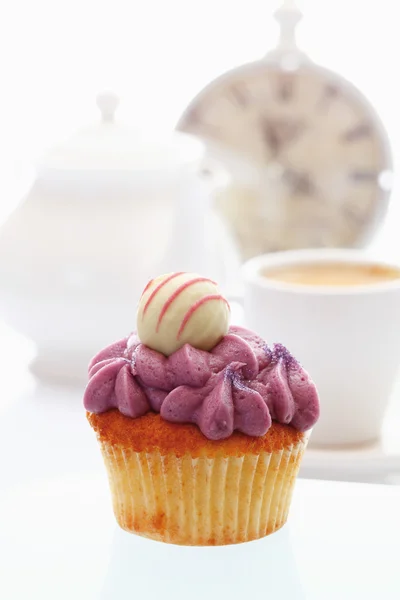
(378, 462)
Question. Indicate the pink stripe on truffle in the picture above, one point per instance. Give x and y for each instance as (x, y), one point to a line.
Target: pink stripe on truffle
(177, 293)
(147, 287)
(197, 305)
(158, 288)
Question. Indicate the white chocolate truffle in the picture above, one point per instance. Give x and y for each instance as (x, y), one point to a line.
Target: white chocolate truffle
(182, 308)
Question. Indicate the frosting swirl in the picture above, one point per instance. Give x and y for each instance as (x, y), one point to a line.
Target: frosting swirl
(241, 384)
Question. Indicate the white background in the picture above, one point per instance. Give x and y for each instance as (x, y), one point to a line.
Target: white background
(56, 55)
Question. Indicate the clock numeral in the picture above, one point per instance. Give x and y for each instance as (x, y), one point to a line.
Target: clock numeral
(193, 122)
(352, 214)
(332, 90)
(239, 95)
(329, 93)
(192, 118)
(355, 133)
(285, 89)
(364, 176)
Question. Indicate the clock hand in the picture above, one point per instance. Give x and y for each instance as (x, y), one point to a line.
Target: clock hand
(300, 183)
(278, 134)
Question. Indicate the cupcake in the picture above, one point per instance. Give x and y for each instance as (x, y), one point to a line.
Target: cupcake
(202, 425)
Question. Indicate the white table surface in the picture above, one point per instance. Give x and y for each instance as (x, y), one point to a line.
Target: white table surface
(59, 541)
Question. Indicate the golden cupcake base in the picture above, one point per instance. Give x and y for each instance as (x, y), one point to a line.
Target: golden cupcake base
(212, 493)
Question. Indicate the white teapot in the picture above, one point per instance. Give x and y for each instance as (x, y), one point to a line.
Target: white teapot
(108, 210)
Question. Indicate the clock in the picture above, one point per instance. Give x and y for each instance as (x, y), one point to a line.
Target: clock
(309, 159)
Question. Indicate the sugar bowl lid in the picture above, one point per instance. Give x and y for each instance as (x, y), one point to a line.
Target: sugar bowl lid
(114, 147)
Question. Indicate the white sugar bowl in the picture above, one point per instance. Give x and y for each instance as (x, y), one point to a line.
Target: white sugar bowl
(108, 209)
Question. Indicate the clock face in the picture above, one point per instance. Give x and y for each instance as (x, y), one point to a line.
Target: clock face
(320, 154)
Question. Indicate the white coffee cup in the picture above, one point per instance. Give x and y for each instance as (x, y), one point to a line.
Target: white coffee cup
(346, 337)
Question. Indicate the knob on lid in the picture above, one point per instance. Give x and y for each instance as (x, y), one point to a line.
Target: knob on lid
(109, 145)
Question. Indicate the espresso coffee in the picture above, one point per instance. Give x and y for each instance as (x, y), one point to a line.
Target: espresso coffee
(333, 274)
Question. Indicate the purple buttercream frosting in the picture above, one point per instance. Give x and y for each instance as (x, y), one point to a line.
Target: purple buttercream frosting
(242, 384)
